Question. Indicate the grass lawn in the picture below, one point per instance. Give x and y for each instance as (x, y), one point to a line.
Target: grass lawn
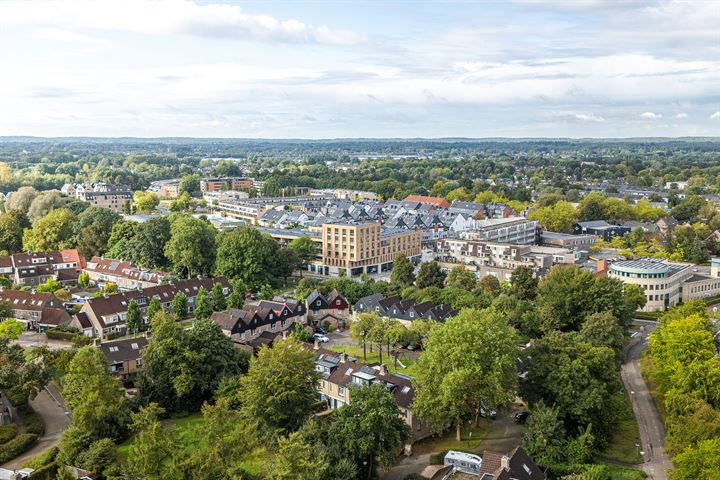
(471, 438)
(648, 372)
(185, 434)
(374, 357)
(622, 444)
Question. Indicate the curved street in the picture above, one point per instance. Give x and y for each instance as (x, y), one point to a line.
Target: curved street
(652, 431)
(51, 407)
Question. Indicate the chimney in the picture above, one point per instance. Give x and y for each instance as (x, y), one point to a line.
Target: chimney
(343, 357)
(284, 335)
(382, 369)
(317, 345)
(505, 462)
(601, 268)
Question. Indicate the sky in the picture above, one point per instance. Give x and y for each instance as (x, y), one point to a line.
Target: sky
(376, 68)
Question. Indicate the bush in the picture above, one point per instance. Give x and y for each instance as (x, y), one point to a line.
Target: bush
(7, 433)
(17, 446)
(45, 458)
(34, 423)
(438, 458)
(45, 472)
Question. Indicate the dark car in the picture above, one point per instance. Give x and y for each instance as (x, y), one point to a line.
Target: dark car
(521, 417)
(322, 330)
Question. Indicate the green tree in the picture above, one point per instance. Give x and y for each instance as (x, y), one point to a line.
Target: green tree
(402, 271)
(190, 184)
(153, 308)
(461, 277)
(182, 203)
(93, 396)
(179, 306)
(304, 248)
(99, 456)
(523, 284)
(203, 309)
(544, 439)
(11, 233)
(298, 460)
(54, 231)
(10, 328)
(559, 217)
(51, 285)
(92, 230)
(300, 333)
(371, 428)
(217, 298)
(698, 461)
(83, 280)
(236, 299)
(468, 362)
(21, 199)
(191, 248)
(145, 202)
(489, 285)
(246, 254)
(280, 388)
(430, 275)
(151, 455)
(134, 320)
(360, 329)
(147, 245)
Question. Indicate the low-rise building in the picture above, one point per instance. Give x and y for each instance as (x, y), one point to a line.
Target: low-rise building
(126, 275)
(270, 317)
(35, 268)
(124, 357)
(662, 281)
(406, 311)
(108, 313)
(567, 240)
(341, 374)
(601, 228)
(332, 308)
(36, 311)
(516, 230)
(165, 188)
(515, 465)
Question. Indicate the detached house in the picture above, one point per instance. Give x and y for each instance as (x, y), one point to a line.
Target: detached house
(107, 314)
(332, 308)
(340, 374)
(35, 310)
(515, 465)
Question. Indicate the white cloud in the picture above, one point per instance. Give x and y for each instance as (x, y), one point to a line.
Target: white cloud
(681, 115)
(651, 115)
(589, 117)
(715, 116)
(170, 17)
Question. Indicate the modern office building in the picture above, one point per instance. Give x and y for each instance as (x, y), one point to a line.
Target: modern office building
(661, 281)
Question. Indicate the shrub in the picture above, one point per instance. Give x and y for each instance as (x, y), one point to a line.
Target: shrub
(16, 446)
(7, 433)
(34, 423)
(45, 458)
(438, 458)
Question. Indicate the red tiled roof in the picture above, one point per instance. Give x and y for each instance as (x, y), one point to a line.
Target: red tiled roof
(437, 201)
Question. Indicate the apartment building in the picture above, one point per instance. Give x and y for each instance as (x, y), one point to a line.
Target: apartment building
(227, 183)
(340, 374)
(165, 188)
(364, 248)
(105, 195)
(516, 230)
(126, 275)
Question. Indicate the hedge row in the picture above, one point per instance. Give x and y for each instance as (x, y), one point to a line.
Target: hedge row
(17, 446)
(56, 335)
(33, 423)
(7, 433)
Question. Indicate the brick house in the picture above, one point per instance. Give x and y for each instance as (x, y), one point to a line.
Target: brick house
(124, 356)
(35, 310)
(267, 316)
(35, 268)
(332, 308)
(107, 314)
(341, 373)
(126, 275)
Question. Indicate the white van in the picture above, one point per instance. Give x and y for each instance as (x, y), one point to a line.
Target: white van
(463, 462)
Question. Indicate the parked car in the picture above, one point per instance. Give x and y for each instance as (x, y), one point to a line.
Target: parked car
(322, 330)
(521, 417)
(321, 338)
(486, 413)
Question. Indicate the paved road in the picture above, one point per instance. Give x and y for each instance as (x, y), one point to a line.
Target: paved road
(50, 406)
(505, 434)
(652, 432)
(33, 339)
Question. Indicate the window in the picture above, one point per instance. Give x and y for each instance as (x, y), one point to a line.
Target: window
(341, 390)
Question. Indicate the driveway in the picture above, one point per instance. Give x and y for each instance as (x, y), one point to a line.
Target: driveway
(652, 432)
(51, 407)
(339, 337)
(505, 434)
